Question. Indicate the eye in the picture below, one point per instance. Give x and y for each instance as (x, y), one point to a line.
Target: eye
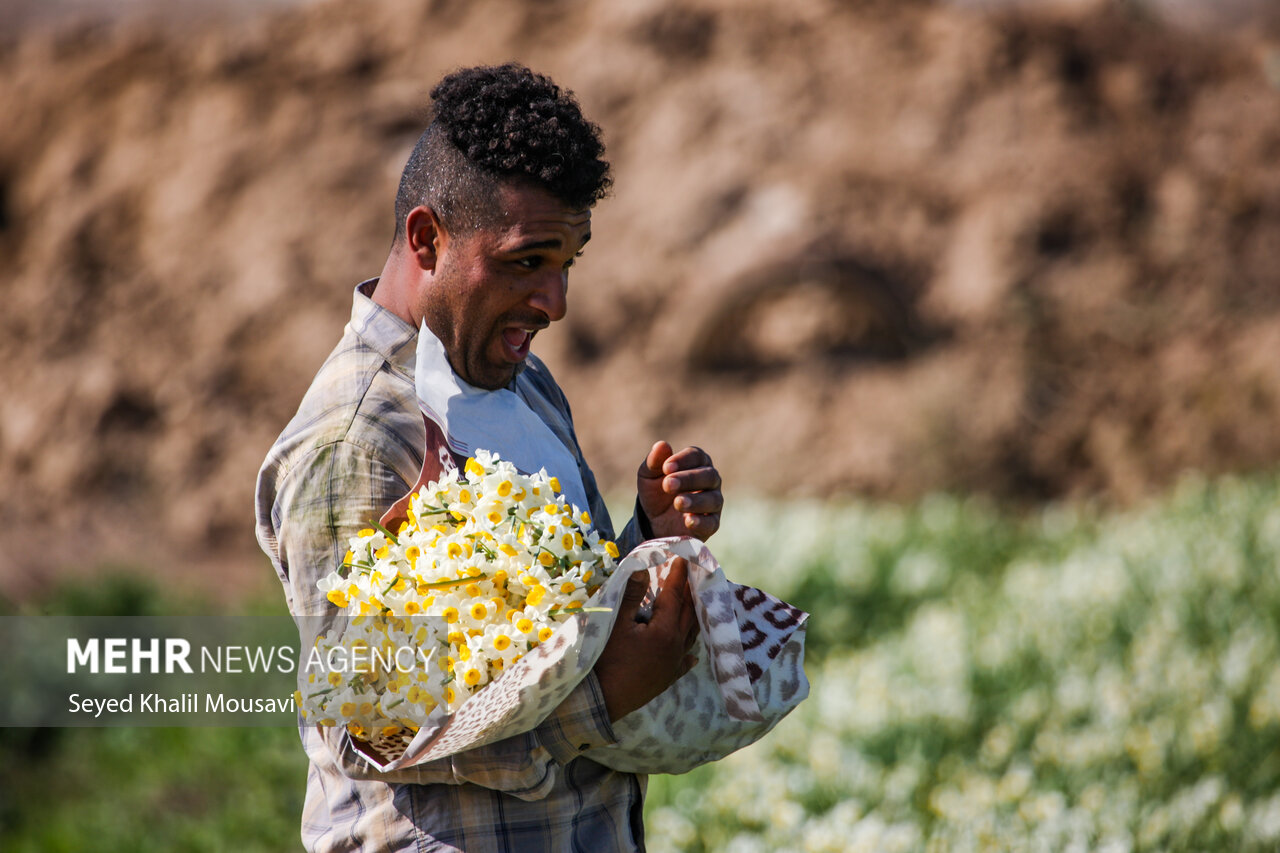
(530, 263)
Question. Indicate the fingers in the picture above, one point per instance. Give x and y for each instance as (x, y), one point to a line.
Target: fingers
(673, 590)
(652, 466)
(633, 597)
(690, 457)
(674, 604)
(709, 501)
(690, 470)
(701, 526)
(691, 636)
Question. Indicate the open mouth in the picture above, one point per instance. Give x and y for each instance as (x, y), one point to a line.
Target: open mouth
(518, 341)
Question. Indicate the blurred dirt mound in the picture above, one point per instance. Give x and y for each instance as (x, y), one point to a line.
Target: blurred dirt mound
(855, 247)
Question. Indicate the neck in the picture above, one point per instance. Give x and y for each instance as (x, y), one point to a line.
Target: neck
(395, 288)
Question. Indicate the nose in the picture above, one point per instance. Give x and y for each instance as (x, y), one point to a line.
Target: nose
(551, 295)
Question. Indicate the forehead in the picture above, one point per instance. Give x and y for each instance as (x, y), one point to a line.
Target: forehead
(532, 213)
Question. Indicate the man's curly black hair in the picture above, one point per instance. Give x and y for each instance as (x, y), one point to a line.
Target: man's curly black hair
(496, 124)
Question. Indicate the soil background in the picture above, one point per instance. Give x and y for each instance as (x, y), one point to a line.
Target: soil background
(854, 249)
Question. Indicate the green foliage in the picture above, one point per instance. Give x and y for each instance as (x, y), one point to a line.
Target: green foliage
(154, 790)
(1057, 681)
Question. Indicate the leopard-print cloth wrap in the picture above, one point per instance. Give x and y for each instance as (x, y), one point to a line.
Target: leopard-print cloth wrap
(750, 675)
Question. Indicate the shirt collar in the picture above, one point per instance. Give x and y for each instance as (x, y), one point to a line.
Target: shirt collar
(382, 331)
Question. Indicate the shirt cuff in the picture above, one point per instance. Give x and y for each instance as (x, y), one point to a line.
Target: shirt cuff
(642, 521)
(581, 722)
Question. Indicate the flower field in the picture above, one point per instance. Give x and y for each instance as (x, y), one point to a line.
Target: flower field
(1065, 679)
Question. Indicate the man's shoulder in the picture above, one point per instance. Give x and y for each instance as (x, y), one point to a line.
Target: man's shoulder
(359, 401)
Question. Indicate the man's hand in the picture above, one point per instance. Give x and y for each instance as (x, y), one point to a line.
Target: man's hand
(642, 659)
(680, 492)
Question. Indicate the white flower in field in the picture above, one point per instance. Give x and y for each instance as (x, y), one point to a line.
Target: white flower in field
(938, 644)
(745, 842)
(868, 835)
(997, 745)
(1264, 820)
(917, 573)
(1264, 710)
(1155, 828)
(901, 782)
(670, 829)
(829, 833)
(1231, 813)
(1209, 725)
(1042, 807)
(1015, 783)
(824, 754)
(786, 815)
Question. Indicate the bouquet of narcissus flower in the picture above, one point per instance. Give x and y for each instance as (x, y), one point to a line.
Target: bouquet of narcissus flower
(489, 563)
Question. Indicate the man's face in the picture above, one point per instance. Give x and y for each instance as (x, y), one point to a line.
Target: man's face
(495, 288)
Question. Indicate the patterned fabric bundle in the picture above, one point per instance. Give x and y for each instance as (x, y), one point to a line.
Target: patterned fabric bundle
(749, 676)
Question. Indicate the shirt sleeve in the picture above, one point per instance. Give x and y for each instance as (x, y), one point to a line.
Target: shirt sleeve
(324, 500)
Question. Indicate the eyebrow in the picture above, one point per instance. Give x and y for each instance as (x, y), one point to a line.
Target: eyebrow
(554, 243)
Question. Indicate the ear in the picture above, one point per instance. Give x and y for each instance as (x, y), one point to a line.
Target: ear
(425, 237)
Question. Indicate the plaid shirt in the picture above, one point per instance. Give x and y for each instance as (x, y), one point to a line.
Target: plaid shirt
(354, 448)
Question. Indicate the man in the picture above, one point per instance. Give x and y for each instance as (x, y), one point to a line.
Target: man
(493, 207)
